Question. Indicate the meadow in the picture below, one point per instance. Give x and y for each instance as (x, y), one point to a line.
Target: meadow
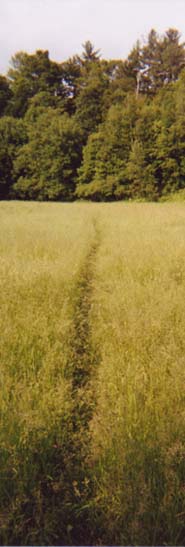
(92, 436)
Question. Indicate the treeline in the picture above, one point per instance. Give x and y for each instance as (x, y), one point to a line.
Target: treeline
(92, 128)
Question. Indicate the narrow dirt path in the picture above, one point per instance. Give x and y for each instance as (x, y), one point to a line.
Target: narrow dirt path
(83, 360)
(83, 356)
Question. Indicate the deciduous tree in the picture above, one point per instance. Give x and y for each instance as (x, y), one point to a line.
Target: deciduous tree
(46, 167)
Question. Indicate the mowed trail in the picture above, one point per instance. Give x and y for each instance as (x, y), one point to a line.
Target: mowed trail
(81, 368)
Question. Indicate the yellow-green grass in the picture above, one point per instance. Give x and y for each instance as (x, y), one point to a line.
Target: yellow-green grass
(114, 275)
(42, 248)
(138, 428)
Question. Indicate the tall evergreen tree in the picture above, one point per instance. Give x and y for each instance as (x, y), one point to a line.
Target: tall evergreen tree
(90, 99)
(163, 59)
(89, 54)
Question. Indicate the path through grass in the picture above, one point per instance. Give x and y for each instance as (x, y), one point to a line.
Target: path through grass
(92, 374)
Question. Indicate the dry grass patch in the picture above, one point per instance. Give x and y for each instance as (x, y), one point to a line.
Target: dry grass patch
(42, 248)
(139, 425)
(98, 287)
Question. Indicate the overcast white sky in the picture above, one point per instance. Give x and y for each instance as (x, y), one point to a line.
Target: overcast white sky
(61, 26)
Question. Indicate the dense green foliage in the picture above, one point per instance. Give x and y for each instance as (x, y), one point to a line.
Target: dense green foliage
(95, 129)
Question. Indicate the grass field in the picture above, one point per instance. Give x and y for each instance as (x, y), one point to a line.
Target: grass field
(92, 401)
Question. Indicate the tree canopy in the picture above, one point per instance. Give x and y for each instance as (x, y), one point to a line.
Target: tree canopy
(93, 128)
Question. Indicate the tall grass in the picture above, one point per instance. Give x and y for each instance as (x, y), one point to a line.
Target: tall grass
(42, 249)
(138, 427)
(92, 374)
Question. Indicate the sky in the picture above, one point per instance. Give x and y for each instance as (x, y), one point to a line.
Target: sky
(62, 26)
